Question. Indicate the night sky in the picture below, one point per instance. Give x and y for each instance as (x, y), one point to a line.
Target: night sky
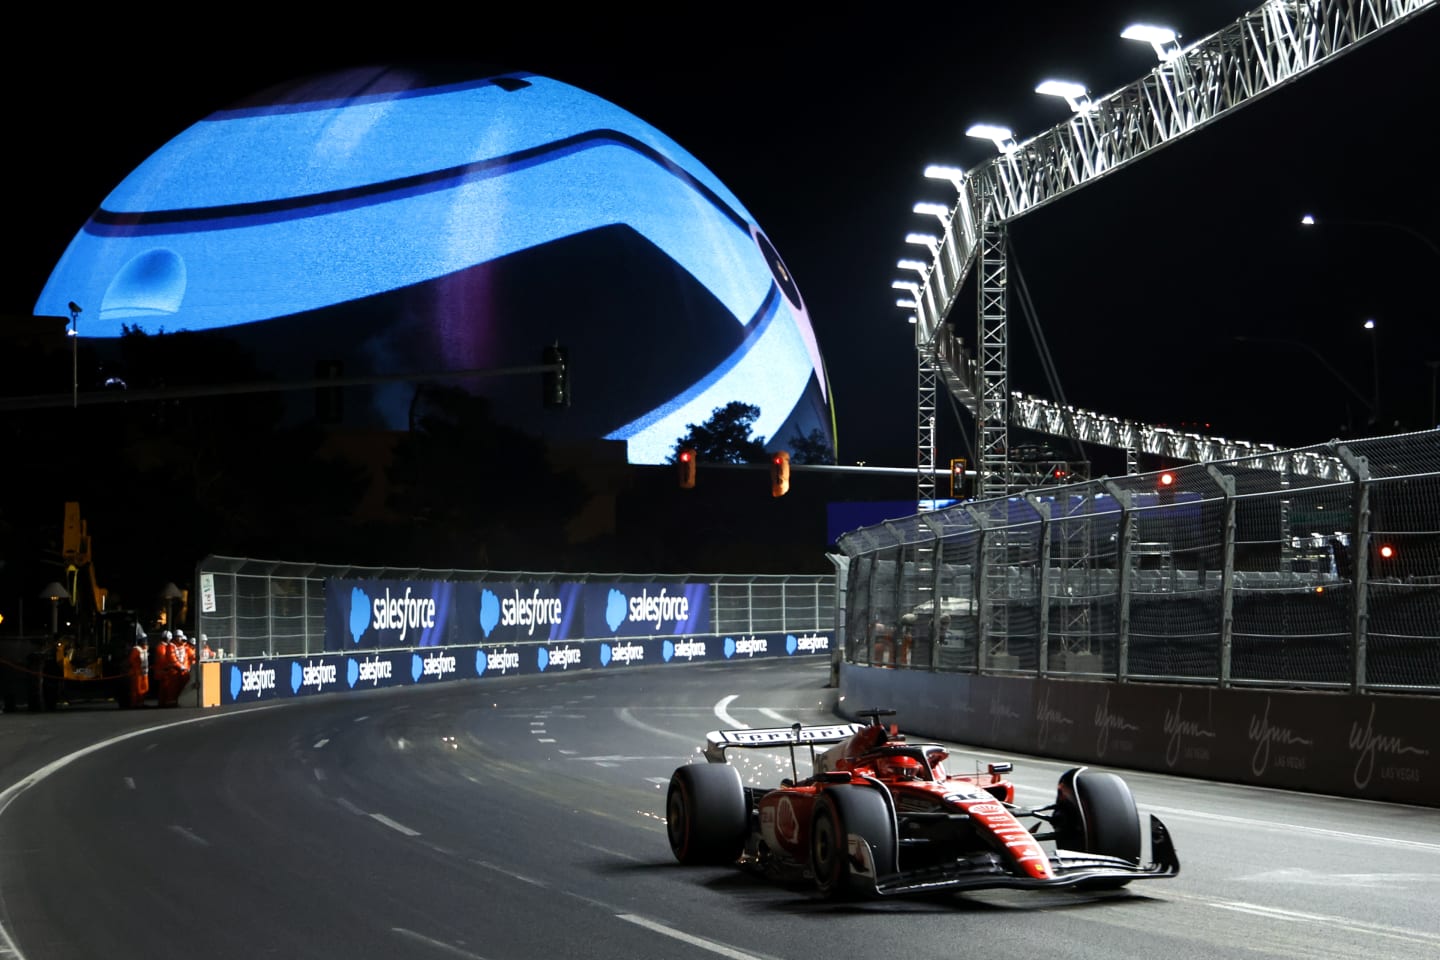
(822, 125)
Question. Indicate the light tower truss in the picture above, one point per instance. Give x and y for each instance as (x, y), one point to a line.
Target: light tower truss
(1267, 48)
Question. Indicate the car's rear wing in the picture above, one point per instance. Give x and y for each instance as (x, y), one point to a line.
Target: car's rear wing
(718, 741)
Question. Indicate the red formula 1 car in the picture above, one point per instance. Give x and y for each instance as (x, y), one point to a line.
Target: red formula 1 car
(879, 815)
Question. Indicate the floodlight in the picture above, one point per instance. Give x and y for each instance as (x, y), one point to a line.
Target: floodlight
(1164, 41)
(910, 285)
(915, 265)
(1003, 139)
(924, 240)
(907, 304)
(937, 210)
(1074, 94)
(1308, 220)
(955, 175)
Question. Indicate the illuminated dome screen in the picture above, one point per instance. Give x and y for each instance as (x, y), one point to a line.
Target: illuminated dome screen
(390, 221)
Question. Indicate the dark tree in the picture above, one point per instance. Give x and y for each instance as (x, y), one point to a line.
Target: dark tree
(813, 448)
(470, 492)
(725, 437)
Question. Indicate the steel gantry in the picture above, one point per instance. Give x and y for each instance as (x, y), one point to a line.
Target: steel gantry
(1191, 87)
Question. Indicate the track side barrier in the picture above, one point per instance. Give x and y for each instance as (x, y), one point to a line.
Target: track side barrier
(245, 681)
(1370, 746)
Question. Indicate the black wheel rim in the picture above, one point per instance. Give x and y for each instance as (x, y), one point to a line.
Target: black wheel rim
(676, 822)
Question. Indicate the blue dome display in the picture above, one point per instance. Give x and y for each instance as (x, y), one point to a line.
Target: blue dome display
(389, 221)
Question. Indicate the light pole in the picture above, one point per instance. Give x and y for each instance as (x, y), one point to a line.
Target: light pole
(1375, 361)
(54, 592)
(1302, 345)
(1310, 220)
(74, 353)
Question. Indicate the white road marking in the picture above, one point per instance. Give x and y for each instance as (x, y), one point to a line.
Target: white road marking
(320, 744)
(777, 716)
(627, 718)
(603, 763)
(319, 774)
(711, 945)
(361, 719)
(1296, 828)
(722, 708)
(130, 783)
(613, 853)
(437, 944)
(188, 835)
(350, 807)
(544, 739)
(1321, 878)
(397, 827)
(1342, 923)
(510, 873)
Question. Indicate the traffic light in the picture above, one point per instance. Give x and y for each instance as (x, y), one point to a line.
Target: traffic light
(957, 477)
(685, 467)
(780, 474)
(1165, 488)
(555, 383)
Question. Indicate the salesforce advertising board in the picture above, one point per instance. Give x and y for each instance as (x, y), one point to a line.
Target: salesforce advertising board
(469, 631)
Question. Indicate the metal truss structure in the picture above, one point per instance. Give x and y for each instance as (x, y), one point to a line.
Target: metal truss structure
(1262, 51)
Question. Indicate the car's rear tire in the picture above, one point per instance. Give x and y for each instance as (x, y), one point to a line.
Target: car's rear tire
(840, 811)
(706, 816)
(1095, 813)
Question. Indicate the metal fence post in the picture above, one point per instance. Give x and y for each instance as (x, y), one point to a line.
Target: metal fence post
(1359, 468)
(1226, 483)
(1122, 580)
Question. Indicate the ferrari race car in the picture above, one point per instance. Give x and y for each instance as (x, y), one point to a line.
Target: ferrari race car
(879, 816)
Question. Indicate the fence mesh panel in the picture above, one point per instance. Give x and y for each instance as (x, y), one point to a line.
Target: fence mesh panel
(1317, 567)
(265, 608)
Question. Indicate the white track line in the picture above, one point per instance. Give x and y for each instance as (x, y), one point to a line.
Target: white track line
(722, 708)
(711, 945)
(437, 944)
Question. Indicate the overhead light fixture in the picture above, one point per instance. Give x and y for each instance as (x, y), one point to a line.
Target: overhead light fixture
(924, 240)
(955, 175)
(936, 210)
(1163, 40)
(910, 285)
(1074, 94)
(915, 265)
(1003, 139)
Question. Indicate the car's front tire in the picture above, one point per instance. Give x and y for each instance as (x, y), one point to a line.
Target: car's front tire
(839, 812)
(1095, 813)
(705, 814)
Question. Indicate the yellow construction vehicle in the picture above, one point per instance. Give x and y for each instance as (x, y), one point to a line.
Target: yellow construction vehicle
(91, 661)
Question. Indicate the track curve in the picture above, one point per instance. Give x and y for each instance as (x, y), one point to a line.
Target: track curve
(523, 817)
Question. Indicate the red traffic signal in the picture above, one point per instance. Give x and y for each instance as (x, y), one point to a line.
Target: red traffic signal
(685, 466)
(1387, 551)
(1166, 481)
(780, 474)
(957, 477)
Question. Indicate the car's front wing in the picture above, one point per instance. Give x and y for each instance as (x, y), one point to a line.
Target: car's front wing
(1070, 868)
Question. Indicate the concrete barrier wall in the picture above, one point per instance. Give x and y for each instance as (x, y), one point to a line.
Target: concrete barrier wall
(1373, 747)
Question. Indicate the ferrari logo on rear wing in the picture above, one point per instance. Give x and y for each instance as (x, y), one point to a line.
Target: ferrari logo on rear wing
(718, 740)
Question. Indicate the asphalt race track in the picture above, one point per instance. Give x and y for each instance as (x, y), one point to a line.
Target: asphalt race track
(523, 818)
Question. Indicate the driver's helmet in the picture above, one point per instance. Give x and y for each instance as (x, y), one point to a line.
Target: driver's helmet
(899, 768)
